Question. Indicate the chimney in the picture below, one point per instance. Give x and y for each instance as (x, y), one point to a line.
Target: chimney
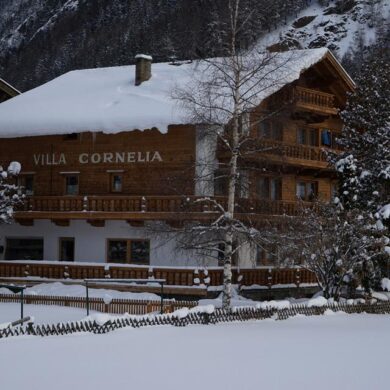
(143, 68)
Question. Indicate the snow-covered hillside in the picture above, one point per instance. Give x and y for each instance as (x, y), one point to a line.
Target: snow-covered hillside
(337, 25)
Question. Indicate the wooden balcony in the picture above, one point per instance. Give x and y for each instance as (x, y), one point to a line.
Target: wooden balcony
(312, 100)
(300, 155)
(140, 208)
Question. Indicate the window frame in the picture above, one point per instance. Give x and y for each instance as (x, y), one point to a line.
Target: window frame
(21, 182)
(128, 250)
(269, 180)
(64, 239)
(112, 187)
(307, 183)
(68, 175)
(308, 133)
(274, 131)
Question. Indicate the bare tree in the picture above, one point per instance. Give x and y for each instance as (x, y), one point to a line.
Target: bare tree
(225, 97)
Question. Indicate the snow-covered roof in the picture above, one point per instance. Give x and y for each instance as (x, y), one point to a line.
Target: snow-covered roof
(106, 99)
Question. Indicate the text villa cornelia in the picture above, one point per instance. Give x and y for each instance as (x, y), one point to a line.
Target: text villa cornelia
(97, 158)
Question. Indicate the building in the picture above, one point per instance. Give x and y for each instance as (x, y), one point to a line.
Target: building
(105, 153)
(7, 91)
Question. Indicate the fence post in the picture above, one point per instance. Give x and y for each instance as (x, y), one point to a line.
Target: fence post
(87, 297)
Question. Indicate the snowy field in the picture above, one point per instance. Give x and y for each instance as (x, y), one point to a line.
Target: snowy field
(336, 351)
(42, 314)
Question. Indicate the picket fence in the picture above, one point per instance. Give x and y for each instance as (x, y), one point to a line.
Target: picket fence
(114, 306)
(192, 317)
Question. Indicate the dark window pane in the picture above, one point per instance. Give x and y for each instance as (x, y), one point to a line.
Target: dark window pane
(24, 249)
(117, 251)
(72, 185)
(313, 134)
(66, 249)
(139, 252)
(29, 185)
(276, 189)
(263, 188)
(301, 190)
(265, 129)
(116, 183)
(311, 191)
(326, 137)
(301, 136)
(277, 132)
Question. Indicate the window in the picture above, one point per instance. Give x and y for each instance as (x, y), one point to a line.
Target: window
(270, 130)
(326, 137)
(243, 184)
(24, 249)
(265, 257)
(220, 184)
(71, 184)
(334, 189)
(128, 251)
(116, 180)
(269, 188)
(307, 190)
(71, 137)
(27, 184)
(66, 246)
(307, 136)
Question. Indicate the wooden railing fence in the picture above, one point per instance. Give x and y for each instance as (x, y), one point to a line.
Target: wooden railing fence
(115, 306)
(173, 276)
(167, 204)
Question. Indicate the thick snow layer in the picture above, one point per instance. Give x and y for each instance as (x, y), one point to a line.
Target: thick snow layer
(42, 314)
(75, 290)
(324, 352)
(107, 100)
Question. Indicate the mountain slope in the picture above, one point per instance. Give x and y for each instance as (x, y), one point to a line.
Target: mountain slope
(338, 25)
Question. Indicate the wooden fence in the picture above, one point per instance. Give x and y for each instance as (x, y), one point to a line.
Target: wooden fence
(174, 276)
(115, 306)
(191, 317)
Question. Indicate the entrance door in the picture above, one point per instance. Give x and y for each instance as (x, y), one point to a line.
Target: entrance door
(66, 249)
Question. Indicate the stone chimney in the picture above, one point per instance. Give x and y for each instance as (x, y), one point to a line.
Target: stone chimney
(143, 68)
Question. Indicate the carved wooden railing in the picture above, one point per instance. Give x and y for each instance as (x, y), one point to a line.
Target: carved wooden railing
(302, 152)
(153, 204)
(316, 99)
(265, 276)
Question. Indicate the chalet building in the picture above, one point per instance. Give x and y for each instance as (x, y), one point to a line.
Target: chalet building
(7, 91)
(106, 153)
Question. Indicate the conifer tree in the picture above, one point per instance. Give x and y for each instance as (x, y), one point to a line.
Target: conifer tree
(364, 166)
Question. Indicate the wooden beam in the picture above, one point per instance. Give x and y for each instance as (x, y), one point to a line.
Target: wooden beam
(61, 222)
(135, 223)
(25, 222)
(96, 222)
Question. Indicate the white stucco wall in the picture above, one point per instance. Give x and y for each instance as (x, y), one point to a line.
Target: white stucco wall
(90, 241)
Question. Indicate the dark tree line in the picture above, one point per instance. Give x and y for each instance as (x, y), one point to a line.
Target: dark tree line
(40, 40)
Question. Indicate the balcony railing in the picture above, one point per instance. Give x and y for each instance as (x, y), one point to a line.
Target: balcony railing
(316, 100)
(148, 204)
(301, 152)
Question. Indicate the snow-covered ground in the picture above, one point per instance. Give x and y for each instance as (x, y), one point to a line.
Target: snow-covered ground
(337, 351)
(42, 314)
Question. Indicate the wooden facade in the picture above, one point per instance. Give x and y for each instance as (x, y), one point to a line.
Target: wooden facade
(142, 176)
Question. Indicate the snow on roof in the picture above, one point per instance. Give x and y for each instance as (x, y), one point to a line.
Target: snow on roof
(106, 99)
